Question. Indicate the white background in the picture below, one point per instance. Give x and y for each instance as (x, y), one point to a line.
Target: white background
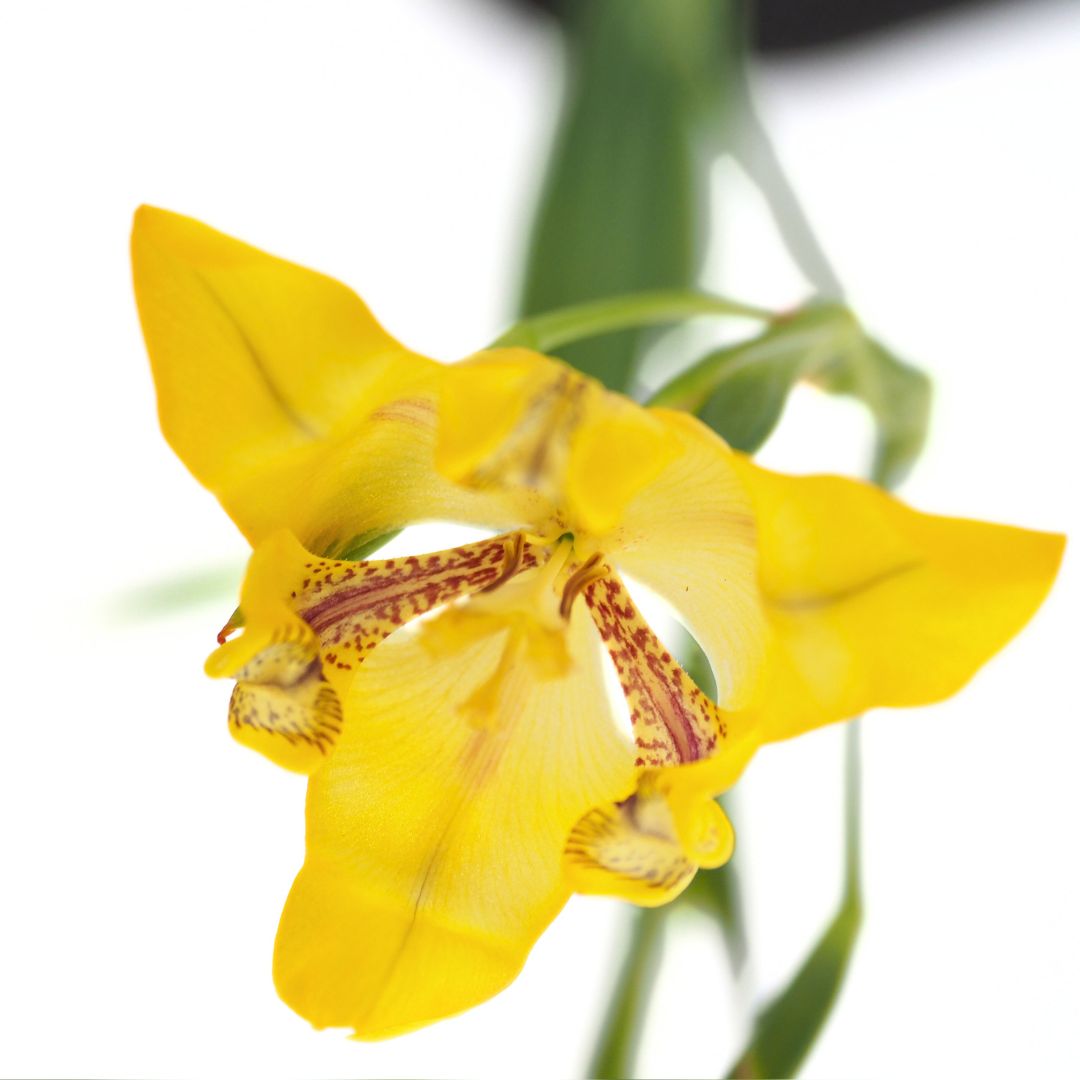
(144, 857)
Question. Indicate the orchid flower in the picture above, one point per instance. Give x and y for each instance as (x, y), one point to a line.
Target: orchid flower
(469, 766)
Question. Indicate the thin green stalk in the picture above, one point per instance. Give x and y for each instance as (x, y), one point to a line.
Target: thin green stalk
(756, 153)
(617, 1046)
(580, 321)
(787, 1028)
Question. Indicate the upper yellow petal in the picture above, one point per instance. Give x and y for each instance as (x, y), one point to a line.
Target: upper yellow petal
(514, 419)
(872, 603)
(690, 536)
(284, 396)
(435, 836)
(614, 453)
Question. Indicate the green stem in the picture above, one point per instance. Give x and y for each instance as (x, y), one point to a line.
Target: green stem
(852, 813)
(786, 1029)
(566, 325)
(758, 157)
(616, 1048)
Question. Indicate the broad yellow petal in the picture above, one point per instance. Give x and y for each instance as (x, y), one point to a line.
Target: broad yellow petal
(690, 536)
(435, 838)
(872, 603)
(283, 395)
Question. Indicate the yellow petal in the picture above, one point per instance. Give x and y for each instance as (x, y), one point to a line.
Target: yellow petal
(613, 456)
(506, 419)
(283, 395)
(284, 708)
(310, 622)
(482, 403)
(435, 843)
(511, 418)
(872, 603)
(690, 536)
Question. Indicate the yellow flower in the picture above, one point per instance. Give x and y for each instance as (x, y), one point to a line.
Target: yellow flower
(468, 770)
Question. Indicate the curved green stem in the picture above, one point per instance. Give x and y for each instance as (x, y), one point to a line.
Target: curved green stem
(756, 153)
(786, 1029)
(566, 325)
(616, 1047)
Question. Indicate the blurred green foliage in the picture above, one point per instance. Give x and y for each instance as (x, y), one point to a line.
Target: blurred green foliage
(624, 205)
(786, 1029)
(740, 390)
(624, 1020)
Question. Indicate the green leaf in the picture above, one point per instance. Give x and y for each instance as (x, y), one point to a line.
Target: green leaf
(360, 547)
(714, 892)
(624, 202)
(718, 894)
(620, 1032)
(786, 1029)
(740, 391)
(897, 394)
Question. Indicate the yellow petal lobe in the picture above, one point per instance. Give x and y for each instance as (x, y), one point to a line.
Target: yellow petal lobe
(691, 537)
(481, 403)
(612, 457)
(871, 603)
(285, 397)
(647, 848)
(255, 359)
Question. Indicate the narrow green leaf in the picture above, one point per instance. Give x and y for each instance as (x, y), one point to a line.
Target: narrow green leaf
(624, 203)
(754, 151)
(740, 391)
(360, 547)
(897, 394)
(786, 1029)
(620, 1034)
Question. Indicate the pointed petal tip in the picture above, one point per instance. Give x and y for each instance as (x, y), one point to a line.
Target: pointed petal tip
(148, 219)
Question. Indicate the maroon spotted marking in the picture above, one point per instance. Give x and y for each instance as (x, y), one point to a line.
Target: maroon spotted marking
(672, 720)
(345, 607)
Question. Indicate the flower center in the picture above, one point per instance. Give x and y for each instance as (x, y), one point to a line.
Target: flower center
(526, 608)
